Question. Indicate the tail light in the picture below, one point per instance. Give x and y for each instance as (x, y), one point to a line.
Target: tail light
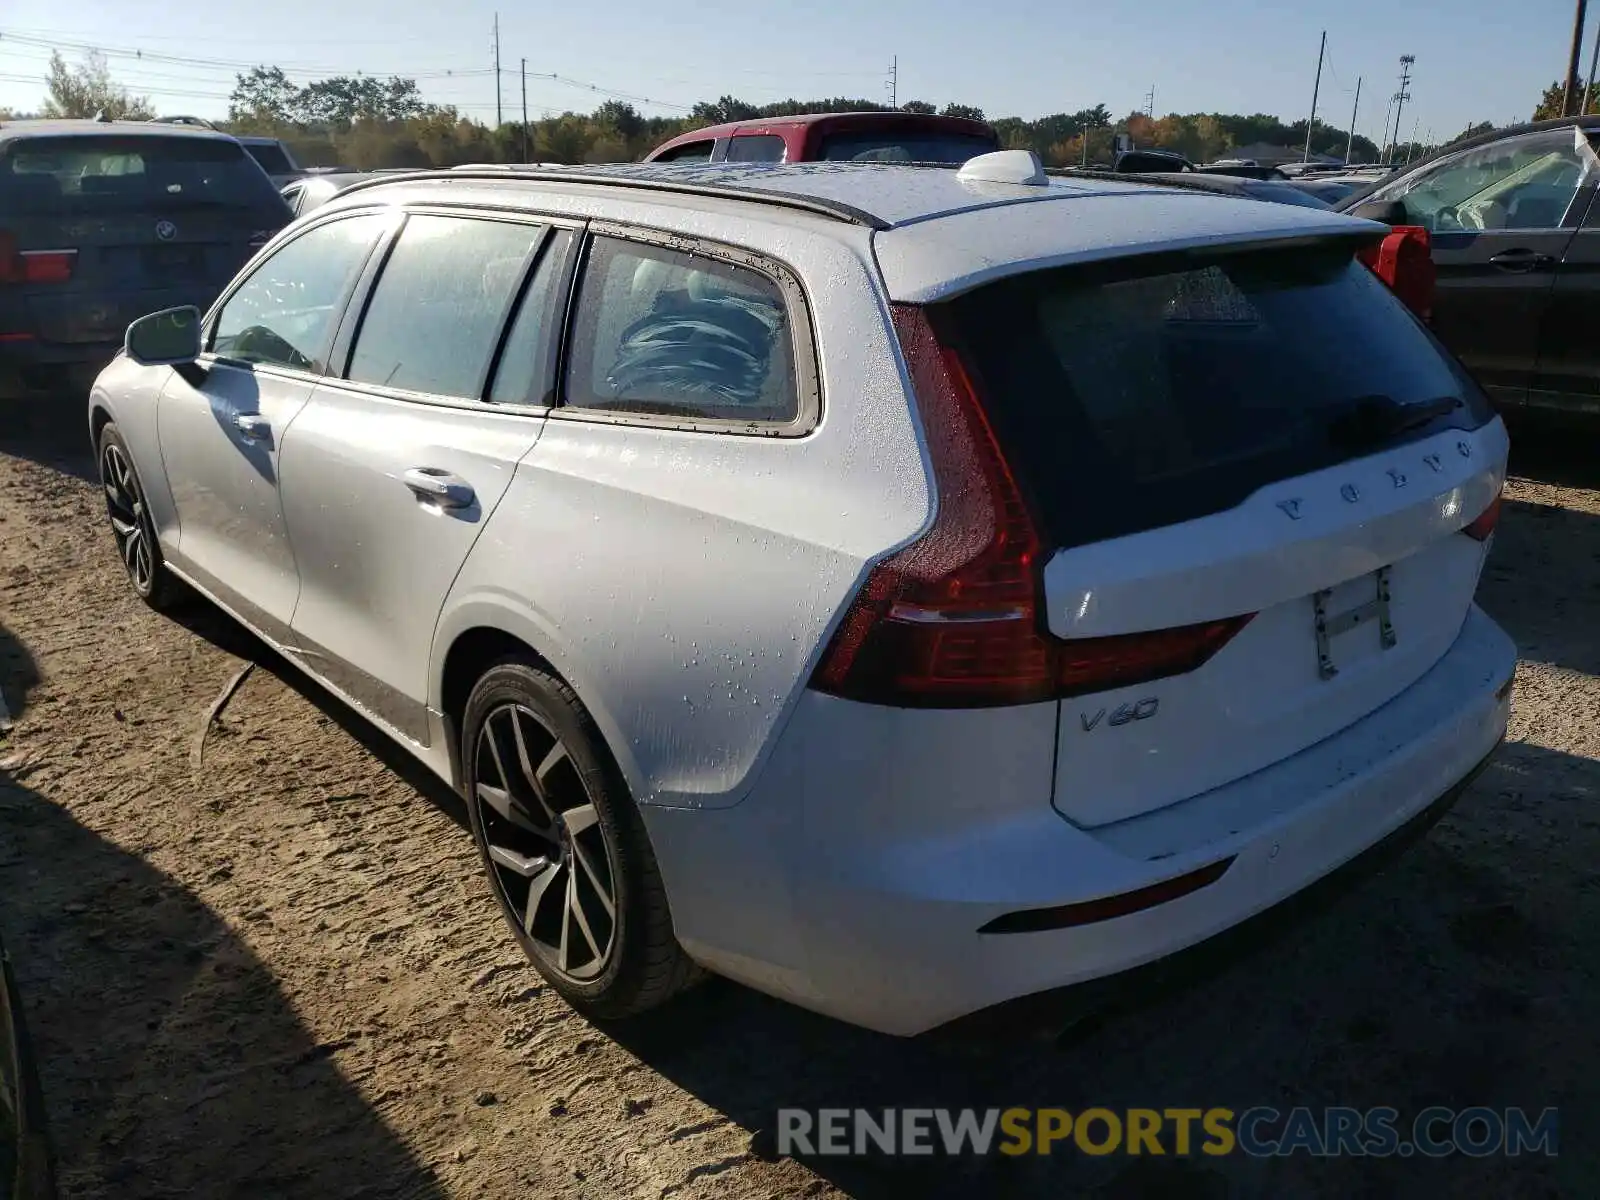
(1404, 261)
(1482, 527)
(954, 620)
(34, 266)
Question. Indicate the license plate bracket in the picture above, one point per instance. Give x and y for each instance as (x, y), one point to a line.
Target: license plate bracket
(1331, 625)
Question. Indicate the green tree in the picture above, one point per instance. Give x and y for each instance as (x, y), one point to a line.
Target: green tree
(263, 95)
(1550, 102)
(919, 106)
(88, 90)
(963, 110)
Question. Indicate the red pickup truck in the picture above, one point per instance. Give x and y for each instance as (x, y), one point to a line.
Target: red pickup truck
(834, 137)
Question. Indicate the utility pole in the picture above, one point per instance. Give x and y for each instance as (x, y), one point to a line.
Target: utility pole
(526, 147)
(1568, 100)
(499, 118)
(1316, 89)
(1400, 99)
(1150, 102)
(1594, 61)
(894, 82)
(1350, 141)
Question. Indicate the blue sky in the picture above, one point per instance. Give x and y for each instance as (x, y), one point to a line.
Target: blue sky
(1476, 59)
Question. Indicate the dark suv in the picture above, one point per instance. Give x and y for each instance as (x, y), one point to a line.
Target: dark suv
(103, 222)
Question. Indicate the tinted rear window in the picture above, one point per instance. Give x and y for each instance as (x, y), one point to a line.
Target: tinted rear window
(886, 145)
(1135, 396)
(271, 157)
(43, 176)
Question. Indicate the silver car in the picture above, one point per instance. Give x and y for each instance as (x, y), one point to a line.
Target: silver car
(901, 589)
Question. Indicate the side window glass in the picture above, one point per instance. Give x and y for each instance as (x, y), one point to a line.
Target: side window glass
(663, 332)
(693, 152)
(1519, 183)
(440, 303)
(285, 313)
(527, 362)
(762, 147)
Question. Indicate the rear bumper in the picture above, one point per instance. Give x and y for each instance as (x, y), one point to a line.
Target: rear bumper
(52, 372)
(855, 882)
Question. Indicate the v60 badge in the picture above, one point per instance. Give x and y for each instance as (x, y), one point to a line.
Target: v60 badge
(1136, 710)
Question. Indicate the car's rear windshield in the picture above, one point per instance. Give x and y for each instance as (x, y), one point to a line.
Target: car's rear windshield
(88, 174)
(886, 145)
(271, 157)
(1143, 394)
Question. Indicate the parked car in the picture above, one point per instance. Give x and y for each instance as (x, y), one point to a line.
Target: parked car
(560, 478)
(1516, 249)
(275, 158)
(1279, 191)
(1329, 190)
(101, 222)
(27, 1169)
(834, 137)
(1144, 162)
(1243, 171)
(311, 191)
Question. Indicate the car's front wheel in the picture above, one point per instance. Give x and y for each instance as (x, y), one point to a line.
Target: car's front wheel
(132, 528)
(564, 846)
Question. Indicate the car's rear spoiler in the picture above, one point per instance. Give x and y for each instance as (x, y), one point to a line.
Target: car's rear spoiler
(1403, 259)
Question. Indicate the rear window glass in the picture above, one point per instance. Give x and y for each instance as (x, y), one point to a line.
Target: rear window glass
(889, 146)
(271, 157)
(42, 176)
(1132, 398)
(662, 332)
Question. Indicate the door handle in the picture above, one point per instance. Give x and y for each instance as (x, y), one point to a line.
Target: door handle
(439, 487)
(253, 425)
(1520, 260)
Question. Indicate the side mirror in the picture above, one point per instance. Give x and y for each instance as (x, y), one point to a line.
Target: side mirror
(165, 339)
(1388, 212)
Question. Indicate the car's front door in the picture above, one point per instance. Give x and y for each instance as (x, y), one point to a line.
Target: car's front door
(391, 471)
(222, 427)
(1501, 216)
(1568, 379)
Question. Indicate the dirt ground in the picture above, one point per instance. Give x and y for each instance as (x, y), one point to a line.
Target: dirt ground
(281, 974)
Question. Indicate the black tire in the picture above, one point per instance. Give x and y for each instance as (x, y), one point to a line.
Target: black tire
(132, 528)
(531, 759)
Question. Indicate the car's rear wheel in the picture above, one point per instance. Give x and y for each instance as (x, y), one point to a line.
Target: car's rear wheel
(132, 528)
(564, 846)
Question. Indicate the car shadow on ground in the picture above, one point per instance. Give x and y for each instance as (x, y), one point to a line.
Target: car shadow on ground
(126, 978)
(1554, 452)
(1463, 974)
(1542, 583)
(50, 430)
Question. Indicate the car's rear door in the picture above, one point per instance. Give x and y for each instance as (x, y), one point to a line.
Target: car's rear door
(1255, 541)
(1501, 217)
(127, 224)
(222, 426)
(392, 470)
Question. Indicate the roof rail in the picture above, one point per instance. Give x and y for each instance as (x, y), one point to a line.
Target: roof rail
(817, 205)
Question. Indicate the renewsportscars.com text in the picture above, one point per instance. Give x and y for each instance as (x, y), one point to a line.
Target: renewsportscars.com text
(1258, 1132)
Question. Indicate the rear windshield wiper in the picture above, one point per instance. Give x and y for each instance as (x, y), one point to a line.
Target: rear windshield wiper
(1373, 420)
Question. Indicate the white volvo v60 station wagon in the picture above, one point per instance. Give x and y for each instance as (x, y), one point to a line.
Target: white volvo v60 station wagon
(901, 589)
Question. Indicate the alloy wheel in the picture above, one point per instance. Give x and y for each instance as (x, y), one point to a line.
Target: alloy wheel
(130, 523)
(551, 862)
